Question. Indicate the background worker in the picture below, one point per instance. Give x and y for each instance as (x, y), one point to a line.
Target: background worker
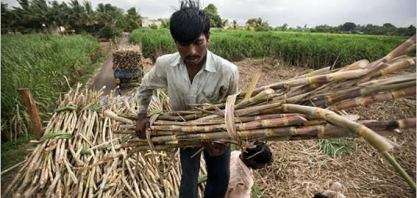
(241, 166)
(333, 192)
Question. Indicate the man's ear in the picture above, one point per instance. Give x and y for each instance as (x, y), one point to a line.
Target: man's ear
(208, 36)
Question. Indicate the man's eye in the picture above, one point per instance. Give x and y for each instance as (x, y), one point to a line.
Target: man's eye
(199, 42)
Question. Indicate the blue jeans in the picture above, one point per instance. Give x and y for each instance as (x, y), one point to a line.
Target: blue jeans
(218, 173)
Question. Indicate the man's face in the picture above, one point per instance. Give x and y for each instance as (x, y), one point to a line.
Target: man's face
(194, 53)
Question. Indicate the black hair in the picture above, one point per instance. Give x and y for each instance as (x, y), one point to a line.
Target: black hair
(261, 153)
(187, 23)
(319, 195)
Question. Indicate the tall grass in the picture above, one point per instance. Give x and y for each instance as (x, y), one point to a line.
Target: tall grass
(39, 62)
(312, 50)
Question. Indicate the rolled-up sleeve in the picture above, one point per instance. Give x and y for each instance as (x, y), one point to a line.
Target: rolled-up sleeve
(154, 79)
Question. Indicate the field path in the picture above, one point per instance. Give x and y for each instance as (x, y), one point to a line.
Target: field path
(104, 75)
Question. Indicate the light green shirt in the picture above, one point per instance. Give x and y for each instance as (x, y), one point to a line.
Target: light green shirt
(217, 79)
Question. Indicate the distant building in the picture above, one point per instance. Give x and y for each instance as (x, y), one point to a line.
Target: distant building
(147, 23)
(228, 25)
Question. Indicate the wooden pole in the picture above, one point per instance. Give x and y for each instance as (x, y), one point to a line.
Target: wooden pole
(35, 119)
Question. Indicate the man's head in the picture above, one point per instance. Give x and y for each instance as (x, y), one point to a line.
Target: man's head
(190, 29)
(257, 157)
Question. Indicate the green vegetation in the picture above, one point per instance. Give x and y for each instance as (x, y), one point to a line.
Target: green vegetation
(335, 147)
(153, 41)
(45, 64)
(12, 152)
(304, 49)
(105, 21)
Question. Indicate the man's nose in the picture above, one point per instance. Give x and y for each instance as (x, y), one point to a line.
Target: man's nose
(192, 49)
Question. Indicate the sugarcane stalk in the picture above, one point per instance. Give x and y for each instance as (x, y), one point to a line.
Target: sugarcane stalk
(135, 185)
(379, 97)
(239, 119)
(114, 116)
(398, 51)
(252, 86)
(263, 95)
(284, 121)
(323, 131)
(318, 80)
(327, 100)
(399, 169)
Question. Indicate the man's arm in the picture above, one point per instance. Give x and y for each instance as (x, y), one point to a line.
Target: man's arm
(155, 78)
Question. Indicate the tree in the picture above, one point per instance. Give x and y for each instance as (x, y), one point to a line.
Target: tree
(348, 27)
(133, 19)
(6, 18)
(32, 14)
(323, 28)
(257, 24)
(225, 23)
(164, 22)
(215, 19)
(284, 27)
(235, 25)
(389, 28)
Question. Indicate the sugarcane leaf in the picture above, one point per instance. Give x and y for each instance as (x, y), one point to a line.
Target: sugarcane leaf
(57, 135)
(66, 108)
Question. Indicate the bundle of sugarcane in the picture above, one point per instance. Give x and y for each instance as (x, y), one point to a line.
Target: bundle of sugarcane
(80, 156)
(127, 58)
(304, 107)
(299, 108)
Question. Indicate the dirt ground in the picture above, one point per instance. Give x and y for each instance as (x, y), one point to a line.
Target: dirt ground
(363, 172)
(301, 169)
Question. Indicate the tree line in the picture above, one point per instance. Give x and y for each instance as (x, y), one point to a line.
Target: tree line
(108, 21)
(39, 16)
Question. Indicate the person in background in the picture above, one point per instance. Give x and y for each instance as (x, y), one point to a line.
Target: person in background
(241, 165)
(193, 75)
(333, 192)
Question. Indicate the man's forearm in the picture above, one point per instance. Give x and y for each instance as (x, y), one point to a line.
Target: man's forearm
(143, 100)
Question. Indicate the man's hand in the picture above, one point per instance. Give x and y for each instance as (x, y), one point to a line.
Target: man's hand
(213, 148)
(142, 123)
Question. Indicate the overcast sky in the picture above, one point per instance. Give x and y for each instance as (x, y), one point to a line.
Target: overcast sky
(400, 13)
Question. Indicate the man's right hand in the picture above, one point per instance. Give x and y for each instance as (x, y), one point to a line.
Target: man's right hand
(142, 123)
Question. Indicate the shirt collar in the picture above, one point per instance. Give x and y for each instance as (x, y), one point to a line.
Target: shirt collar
(208, 65)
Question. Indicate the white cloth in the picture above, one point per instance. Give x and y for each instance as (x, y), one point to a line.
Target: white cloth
(241, 178)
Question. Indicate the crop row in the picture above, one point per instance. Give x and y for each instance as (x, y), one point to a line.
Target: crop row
(312, 50)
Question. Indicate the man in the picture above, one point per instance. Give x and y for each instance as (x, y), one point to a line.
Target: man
(241, 166)
(193, 75)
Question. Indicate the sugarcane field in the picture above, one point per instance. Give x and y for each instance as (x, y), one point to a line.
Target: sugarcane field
(336, 106)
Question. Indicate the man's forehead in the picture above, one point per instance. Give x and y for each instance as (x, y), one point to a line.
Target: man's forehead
(202, 36)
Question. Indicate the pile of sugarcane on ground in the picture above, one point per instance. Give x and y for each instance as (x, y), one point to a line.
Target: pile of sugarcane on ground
(127, 58)
(80, 156)
(304, 107)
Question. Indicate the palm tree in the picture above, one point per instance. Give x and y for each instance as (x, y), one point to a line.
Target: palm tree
(89, 17)
(133, 19)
